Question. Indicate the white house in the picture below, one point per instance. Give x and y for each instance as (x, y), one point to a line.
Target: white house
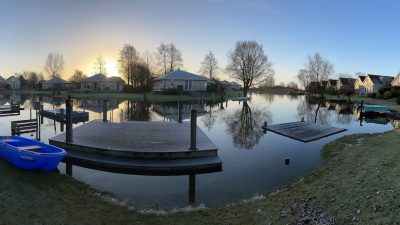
(230, 85)
(56, 83)
(396, 81)
(3, 83)
(181, 79)
(100, 82)
(14, 82)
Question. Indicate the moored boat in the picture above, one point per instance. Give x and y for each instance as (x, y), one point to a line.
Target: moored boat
(30, 154)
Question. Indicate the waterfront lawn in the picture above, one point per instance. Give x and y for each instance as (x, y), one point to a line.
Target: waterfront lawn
(359, 183)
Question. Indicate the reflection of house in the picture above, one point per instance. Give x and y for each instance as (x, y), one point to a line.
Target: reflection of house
(14, 82)
(359, 85)
(100, 82)
(373, 83)
(56, 83)
(345, 84)
(96, 105)
(396, 81)
(181, 79)
(3, 83)
(170, 111)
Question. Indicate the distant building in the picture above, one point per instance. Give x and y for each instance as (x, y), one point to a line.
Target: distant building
(331, 84)
(100, 82)
(56, 83)
(14, 82)
(345, 84)
(230, 85)
(3, 83)
(359, 87)
(373, 83)
(181, 80)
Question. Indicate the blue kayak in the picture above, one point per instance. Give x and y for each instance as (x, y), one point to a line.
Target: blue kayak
(30, 154)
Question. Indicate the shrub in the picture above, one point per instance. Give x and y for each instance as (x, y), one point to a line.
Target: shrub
(172, 91)
(398, 101)
(371, 95)
(395, 91)
(387, 95)
(382, 91)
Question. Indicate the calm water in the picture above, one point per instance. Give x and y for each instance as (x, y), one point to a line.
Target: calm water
(253, 162)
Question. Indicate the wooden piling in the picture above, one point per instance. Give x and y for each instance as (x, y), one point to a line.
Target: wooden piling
(179, 112)
(192, 189)
(104, 110)
(41, 116)
(68, 120)
(193, 128)
(68, 169)
(62, 123)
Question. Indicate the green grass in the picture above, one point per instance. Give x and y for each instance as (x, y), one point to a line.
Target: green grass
(358, 184)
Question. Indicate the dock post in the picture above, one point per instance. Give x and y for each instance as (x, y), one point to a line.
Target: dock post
(193, 127)
(104, 110)
(62, 114)
(179, 112)
(192, 189)
(41, 116)
(68, 169)
(68, 120)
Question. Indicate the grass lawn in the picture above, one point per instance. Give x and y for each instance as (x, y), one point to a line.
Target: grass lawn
(358, 184)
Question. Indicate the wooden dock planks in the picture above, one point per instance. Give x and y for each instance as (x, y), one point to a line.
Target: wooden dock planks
(304, 131)
(137, 139)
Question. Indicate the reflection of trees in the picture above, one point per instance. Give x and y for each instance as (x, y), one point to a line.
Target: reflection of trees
(139, 111)
(344, 113)
(269, 97)
(310, 110)
(209, 119)
(245, 125)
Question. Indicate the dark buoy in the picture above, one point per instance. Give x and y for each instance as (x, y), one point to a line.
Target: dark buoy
(287, 161)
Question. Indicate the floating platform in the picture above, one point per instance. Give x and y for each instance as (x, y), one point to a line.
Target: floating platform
(10, 110)
(304, 131)
(60, 116)
(139, 148)
(379, 108)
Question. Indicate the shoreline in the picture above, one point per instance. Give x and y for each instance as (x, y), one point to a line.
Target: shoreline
(349, 187)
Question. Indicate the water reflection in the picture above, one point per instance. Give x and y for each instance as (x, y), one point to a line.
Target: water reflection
(139, 111)
(245, 125)
(312, 110)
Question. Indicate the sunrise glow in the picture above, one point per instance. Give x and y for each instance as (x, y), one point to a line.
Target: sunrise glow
(112, 69)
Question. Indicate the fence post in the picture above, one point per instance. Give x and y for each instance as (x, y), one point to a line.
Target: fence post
(68, 120)
(193, 127)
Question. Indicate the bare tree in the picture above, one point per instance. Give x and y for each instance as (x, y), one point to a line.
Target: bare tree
(248, 64)
(319, 70)
(100, 65)
(292, 85)
(169, 58)
(209, 65)
(54, 64)
(304, 78)
(127, 58)
(142, 77)
(77, 77)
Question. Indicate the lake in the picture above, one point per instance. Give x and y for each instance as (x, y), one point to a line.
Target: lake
(253, 161)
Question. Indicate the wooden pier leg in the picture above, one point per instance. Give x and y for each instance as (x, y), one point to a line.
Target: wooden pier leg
(68, 120)
(192, 189)
(41, 116)
(179, 112)
(62, 116)
(104, 110)
(193, 127)
(68, 169)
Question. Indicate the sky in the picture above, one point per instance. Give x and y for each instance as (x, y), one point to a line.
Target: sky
(354, 35)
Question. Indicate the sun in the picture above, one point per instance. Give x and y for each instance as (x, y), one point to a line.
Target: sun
(111, 69)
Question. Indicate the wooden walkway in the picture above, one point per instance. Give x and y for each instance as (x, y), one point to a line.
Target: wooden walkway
(59, 115)
(137, 140)
(304, 131)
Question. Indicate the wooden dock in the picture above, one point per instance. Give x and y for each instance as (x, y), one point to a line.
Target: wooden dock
(59, 115)
(304, 131)
(11, 110)
(140, 148)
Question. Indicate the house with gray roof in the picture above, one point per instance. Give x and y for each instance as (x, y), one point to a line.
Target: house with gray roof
(180, 79)
(56, 83)
(101, 82)
(14, 82)
(3, 83)
(372, 83)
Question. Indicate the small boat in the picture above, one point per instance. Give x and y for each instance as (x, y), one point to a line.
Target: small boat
(240, 98)
(30, 154)
(367, 108)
